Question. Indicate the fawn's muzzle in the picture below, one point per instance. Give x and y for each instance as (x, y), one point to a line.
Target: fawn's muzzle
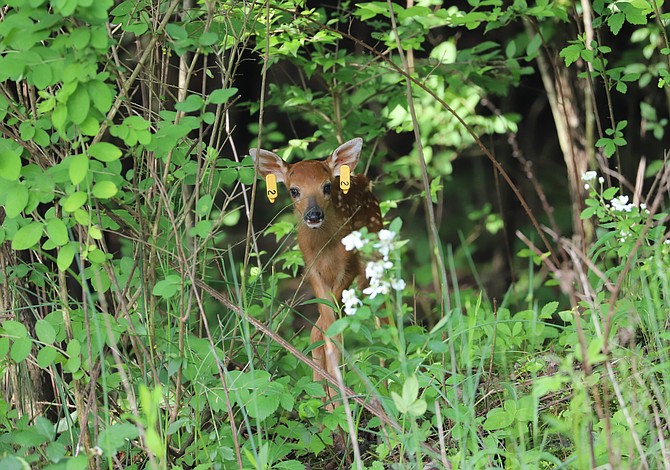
(313, 217)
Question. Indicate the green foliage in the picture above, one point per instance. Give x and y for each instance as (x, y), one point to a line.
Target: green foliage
(123, 192)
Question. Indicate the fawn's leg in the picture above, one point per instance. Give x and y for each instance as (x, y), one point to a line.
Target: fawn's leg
(323, 355)
(328, 283)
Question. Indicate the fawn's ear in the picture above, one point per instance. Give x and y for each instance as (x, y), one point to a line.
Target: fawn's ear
(346, 154)
(269, 163)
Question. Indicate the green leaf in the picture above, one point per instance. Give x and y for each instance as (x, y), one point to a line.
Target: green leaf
(90, 126)
(246, 175)
(534, 46)
(204, 205)
(65, 257)
(208, 38)
(64, 7)
(78, 104)
(571, 53)
(55, 451)
(46, 356)
(435, 187)
(409, 403)
(608, 146)
(95, 232)
(14, 329)
(168, 287)
(78, 168)
(337, 327)
(635, 15)
(588, 213)
(104, 151)
(594, 350)
(74, 201)
(417, 408)
(262, 406)
(609, 193)
(400, 403)
(116, 436)
(59, 116)
(27, 130)
(80, 462)
(549, 309)
(10, 160)
(27, 236)
(82, 217)
(104, 190)
(45, 331)
(101, 95)
(190, 104)
(231, 218)
(498, 418)
(20, 349)
(154, 441)
(410, 389)
(96, 256)
(57, 231)
(176, 31)
(16, 201)
(221, 95)
(74, 356)
(4, 347)
(45, 428)
(202, 229)
(615, 22)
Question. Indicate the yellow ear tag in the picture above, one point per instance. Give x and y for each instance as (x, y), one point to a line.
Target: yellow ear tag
(271, 183)
(345, 178)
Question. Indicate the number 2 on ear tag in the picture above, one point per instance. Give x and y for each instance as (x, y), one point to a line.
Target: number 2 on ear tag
(345, 178)
(271, 184)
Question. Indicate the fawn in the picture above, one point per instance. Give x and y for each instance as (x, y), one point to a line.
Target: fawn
(327, 215)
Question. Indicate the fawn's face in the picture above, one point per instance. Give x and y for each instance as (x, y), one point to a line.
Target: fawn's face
(310, 183)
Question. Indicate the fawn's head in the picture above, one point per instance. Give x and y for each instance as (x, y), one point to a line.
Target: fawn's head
(310, 182)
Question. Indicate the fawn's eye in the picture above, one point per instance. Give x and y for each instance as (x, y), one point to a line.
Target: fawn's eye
(326, 188)
(294, 192)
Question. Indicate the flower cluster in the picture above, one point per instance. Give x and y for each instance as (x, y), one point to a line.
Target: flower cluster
(628, 217)
(619, 203)
(351, 301)
(379, 273)
(588, 177)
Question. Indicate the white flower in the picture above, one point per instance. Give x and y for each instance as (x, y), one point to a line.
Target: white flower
(374, 270)
(601, 180)
(354, 241)
(667, 242)
(385, 244)
(375, 288)
(351, 301)
(589, 176)
(349, 296)
(398, 284)
(587, 186)
(386, 236)
(621, 204)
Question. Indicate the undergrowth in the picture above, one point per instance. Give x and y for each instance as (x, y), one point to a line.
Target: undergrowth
(152, 313)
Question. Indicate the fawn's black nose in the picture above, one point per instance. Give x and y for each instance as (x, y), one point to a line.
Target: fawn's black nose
(314, 217)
